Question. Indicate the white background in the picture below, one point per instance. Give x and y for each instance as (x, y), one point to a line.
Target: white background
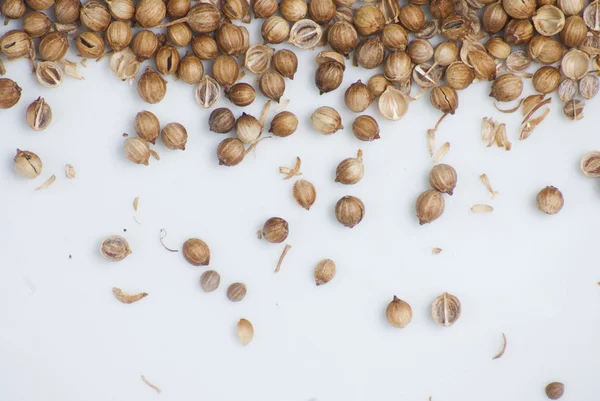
(64, 337)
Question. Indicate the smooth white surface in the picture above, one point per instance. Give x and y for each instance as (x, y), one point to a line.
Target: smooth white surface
(64, 337)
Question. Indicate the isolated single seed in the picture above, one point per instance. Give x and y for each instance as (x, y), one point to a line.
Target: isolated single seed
(555, 390)
(349, 211)
(365, 128)
(27, 164)
(305, 193)
(550, 200)
(196, 252)
(398, 313)
(210, 280)
(115, 248)
(446, 309)
(350, 170)
(430, 206)
(39, 115)
(236, 292)
(275, 230)
(324, 272)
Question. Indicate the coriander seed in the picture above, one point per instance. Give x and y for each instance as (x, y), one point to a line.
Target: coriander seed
(349, 211)
(398, 313)
(275, 30)
(286, 63)
(121, 10)
(147, 126)
(53, 46)
(412, 17)
(394, 37)
(442, 178)
(39, 115)
(397, 67)
(574, 32)
(326, 120)
(144, 44)
(590, 164)
(115, 248)
(329, 76)
(204, 47)
(444, 98)
(230, 39)
(236, 10)
(137, 151)
(264, 8)
(446, 309)
(118, 35)
(365, 128)
(430, 206)
(459, 75)
(167, 60)
(305, 193)
(342, 37)
(236, 292)
(90, 45)
(95, 16)
(208, 92)
(555, 390)
(324, 272)
(248, 129)
(35, 23)
(27, 164)
(507, 87)
(225, 70)
(519, 9)
(351, 170)
(305, 34)
(321, 11)
(284, 124)
(174, 136)
(241, 94)
(152, 88)
(293, 10)
(275, 230)
(272, 85)
(10, 93)
(221, 120)
(231, 152)
(179, 35)
(210, 280)
(550, 200)
(370, 53)
(258, 58)
(357, 97)
(150, 13)
(196, 252)
(15, 44)
(190, 69)
(546, 79)
(420, 51)
(377, 84)
(589, 86)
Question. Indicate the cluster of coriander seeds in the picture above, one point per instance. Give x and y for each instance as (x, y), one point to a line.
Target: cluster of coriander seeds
(137, 149)
(430, 204)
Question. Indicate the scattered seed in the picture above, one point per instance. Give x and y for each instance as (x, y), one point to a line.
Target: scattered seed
(152, 386)
(135, 203)
(436, 251)
(47, 183)
(70, 171)
(236, 292)
(285, 251)
(499, 354)
(482, 209)
(485, 180)
(245, 331)
(127, 298)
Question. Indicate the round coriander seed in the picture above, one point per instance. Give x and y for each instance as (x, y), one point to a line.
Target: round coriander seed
(27, 164)
(39, 115)
(351, 170)
(442, 178)
(236, 292)
(115, 248)
(324, 272)
(221, 120)
(398, 313)
(349, 211)
(430, 206)
(555, 390)
(210, 280)
(196, 252)
(231, 152)
(174, 136)
(365, 128)
(275, 230)
(305, 193)
(147, 126)
(550, 200)
(284, 124)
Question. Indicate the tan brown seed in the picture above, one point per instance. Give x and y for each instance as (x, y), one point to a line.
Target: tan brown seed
(39, 115)
(275, 230)
(284, 124)
(210, 280)
(507, 88)
(236, 292)
(221, 120)
(231, 152)
(550, 200)
(285, 63)
(115, 248)
(446, 309)
(349, 211)
(305, 193)
(351, 170)
(555, 390)
(429, 206)
(365, 128)
(196, 252)
(590, 164)
(324, 272)
(152, 88)
(137, 151)
(27, 164)
(147, 126)
(398, 313)
(326, 120)
(442, 178)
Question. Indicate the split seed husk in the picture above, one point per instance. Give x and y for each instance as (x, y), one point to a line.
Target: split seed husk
(446, 309)
(115, 248)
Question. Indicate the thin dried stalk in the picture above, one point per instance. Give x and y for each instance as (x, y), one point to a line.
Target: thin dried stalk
(503, 347)
(154, 154)
(152, 386)
(47, 183)
(293, 172)
(442, 152)
(264, 112)
(70, 171)
(283, 103)
(509, 111)
(482, 209)
(163, 234)
(528, 126)
(486, 181)
(436, 251)
(285, 251)
(2, 68)
(127, 298)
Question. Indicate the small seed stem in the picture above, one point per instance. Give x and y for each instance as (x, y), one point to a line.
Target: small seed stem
(163, 234)
(152, 386)
(285, 251)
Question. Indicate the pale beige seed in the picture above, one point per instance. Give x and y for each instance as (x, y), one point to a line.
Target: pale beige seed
(446, 309)
(324, 272)
(590, 164)
(70, 171)
(482, 209)
(398, 313)
(47, 184)
(126, 298)
(245, 331)
(210, 280)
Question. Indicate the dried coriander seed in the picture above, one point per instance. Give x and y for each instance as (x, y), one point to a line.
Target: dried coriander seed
(95, 16)
(370, 53)
(349, 211)
(393, 103)
(444, 98)
(590, 164)
(442, 178)
(174, 136)
(115, 248)
(241, 94)
(412, 17)
(236, 292)
(324, 272)
(118, 35)
(53, 46)
(10, 93)
(167, 60)
(305, 34)
(204, 47)
(397, 67)
(147, 126)
(137, 151)
(507, 88)
(459, 75)
(589, 86)
(285, 63)
(575, 64)
(39, 115)
(555, 390)
(398, 313)
(550, 200)
(573, 109)
(357, 97)
(225, 70)
(377, 84)
(258, 58)
(329, 76)
(144, 44)
(498, 48)
(27, 164)
(35, 23)
(430, 206)
(231, 152)
(446, 309)
(326, 120)
(546, 79)
(152, 88)
(365, 128)
(321, 11)
(150, 13)
(221, 120)
(196, 252)
(121, 10)
(293, 10)
(420, 51)
(275, 230)
(272, 85)
(284, 124)
(90, 45)
(208, 92)
(351, 170)
(305, 193)
(574, 31)
(342, 37)
(13, 9)
(275, 30)
(394, 37)
(190, 69)
(230, 39)
(567, 90)
(210, 280)
(248, 129)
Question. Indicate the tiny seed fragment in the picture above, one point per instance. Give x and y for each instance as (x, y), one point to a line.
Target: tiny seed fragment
(442, 152)
(436, 251)
(47, 183)
(245, 331)
(127, 298)
(482, 209)
(486, 181)
(135, 203)
(70, 171)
